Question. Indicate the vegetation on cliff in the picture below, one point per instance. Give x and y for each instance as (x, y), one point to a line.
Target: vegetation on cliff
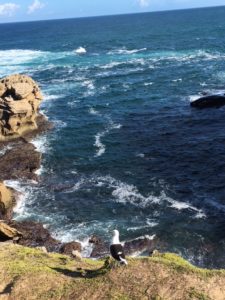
(29, 273)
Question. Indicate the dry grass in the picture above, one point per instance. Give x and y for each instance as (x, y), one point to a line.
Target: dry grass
(31, 274)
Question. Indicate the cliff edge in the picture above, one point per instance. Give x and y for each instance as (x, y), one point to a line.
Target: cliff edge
(28, 273)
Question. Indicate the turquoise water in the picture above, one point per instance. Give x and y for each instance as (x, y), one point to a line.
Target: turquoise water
(127, 151)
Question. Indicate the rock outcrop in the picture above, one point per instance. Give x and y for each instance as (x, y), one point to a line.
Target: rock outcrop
(20, 98)
(6, 202)
(21, 161)
(8, 233)
(209, 101)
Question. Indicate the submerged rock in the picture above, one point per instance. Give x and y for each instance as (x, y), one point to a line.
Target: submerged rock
(209, 101)
(20, 98)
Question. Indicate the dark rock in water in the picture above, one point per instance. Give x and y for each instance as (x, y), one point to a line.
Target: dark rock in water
(141, 245)
(20, 162)
(100, 248)
(209, 101)
(69, 248)
(35, 235)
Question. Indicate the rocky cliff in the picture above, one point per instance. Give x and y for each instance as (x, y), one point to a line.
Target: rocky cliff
(20, 98)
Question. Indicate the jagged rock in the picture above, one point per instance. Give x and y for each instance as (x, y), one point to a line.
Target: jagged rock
(209, 101)
(20, 98)
(7, 202)
(35, 235)
(140, 245)
(100, 248)
(8, 233)
(20, 162)
(69, 248)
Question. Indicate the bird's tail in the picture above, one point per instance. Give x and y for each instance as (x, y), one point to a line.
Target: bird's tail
(123, 261)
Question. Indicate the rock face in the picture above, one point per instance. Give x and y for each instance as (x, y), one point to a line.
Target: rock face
(20, 98)
(21, 161)
(70, 248)
(209, 101)
(8, 233)
(6, 202)
(35, 235)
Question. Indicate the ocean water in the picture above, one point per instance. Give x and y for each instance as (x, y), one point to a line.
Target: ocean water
(127, 150)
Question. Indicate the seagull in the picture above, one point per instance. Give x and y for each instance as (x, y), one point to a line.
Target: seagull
(116, 248)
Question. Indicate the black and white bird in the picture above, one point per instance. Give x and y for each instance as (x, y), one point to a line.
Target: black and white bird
(116, 248)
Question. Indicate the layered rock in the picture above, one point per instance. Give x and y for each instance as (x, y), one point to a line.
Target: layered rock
(8, 233)
(20, 98)
(6, 202)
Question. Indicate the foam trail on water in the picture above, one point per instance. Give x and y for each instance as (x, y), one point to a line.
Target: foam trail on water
(126, 51)
(98, 143)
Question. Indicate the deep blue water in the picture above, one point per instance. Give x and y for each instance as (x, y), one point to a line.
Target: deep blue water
(127, 151)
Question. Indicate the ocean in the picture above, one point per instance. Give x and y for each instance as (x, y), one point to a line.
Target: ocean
(127, 151)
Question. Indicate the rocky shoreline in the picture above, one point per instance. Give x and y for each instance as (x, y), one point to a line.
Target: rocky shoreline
(20, 122)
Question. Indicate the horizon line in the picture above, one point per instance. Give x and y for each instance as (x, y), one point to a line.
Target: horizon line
(111, 15)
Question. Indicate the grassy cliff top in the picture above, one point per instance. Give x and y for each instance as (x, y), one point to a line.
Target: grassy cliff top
(28, 273)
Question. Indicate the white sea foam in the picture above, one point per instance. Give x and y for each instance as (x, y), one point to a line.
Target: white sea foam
(5, 149)
(93, 111)
(194, 97)
(52, 97)
(19, 56)
(98, 144)
(148, 83)
(126, 51)
(111, 65)
(80, 50)
(40, 171)
(101, 148)
(149, 224)
(182, 205)
(200, 215)
(141, 155)
(24, 194)
(41, 143)
(177, 80)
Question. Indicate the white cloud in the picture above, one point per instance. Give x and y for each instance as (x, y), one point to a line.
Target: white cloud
(36, 5)
(8, 9)
(144, 3)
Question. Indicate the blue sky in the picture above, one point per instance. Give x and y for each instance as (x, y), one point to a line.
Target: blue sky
(27, 10)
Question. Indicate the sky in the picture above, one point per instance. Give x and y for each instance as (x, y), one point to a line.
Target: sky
(30, 10)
